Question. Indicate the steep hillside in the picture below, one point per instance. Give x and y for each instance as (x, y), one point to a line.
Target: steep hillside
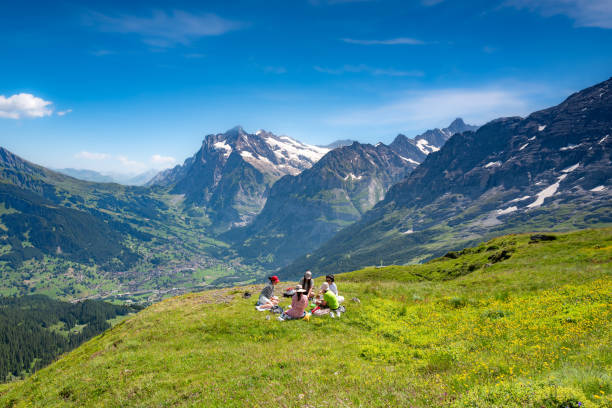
(551, 170)
(36, 330)
(304, 211)
(513, 322)
(230, 176)
(33, 227)
(73, 239)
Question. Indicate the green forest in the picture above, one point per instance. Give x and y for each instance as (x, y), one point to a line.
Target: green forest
(35, 329)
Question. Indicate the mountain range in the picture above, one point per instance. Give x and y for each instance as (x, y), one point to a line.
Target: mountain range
(549, 171)
(249, 203)
(305, 210)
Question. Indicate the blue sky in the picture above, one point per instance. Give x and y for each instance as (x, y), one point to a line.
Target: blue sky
(128, 86)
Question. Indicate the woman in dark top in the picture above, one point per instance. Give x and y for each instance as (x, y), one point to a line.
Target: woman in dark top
(267, 300)
(307, 284)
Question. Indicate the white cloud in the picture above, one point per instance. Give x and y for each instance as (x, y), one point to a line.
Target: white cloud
(64, 112)
(367, 69)
(131, 165)
(121, 164)
(24, 105)
(586, 13)
(165, 161)
(423, 109)
(163, 29)
(391, 41)
(91, 155)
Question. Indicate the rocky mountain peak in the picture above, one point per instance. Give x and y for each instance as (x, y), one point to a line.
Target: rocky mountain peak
(233, 171)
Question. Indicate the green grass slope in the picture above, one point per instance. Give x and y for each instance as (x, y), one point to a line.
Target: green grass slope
(508, 323)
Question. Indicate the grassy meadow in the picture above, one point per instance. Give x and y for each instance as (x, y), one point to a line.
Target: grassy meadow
(508, 323)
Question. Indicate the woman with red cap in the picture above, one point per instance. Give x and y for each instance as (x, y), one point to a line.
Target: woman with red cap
(267, 300)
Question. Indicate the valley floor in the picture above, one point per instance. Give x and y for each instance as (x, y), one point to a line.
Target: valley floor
(509, 323)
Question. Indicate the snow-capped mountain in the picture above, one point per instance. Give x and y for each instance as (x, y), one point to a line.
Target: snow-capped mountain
(230, 176)
(305, 210)
(431, 141)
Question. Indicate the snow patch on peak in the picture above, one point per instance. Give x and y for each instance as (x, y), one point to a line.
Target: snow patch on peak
(541, 128)
(351, 176)
(410, 160)
(520, 199)
(222, 145)
(493, 164)
(409, 231)
(286, 148)
(523, 146)
(569, 147)
(598, 189)
(507, 210)
(547, 192)
(425, 147)
(571, 168)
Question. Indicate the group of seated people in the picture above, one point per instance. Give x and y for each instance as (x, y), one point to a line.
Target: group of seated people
(326, 300)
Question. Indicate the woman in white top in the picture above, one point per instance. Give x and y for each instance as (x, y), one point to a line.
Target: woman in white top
(331, 280)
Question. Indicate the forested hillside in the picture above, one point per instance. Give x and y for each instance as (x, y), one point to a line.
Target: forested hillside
(35, 329)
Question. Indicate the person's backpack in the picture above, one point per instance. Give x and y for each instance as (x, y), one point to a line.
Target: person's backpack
(277, 309)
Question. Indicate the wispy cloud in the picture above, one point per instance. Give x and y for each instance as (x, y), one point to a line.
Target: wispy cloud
(92, 155)
(333, 2)
(164, 29)
(489, 49)
(64, 112)
(24, 105)
(586, 13)
(369, 70)
(275, 70)
(194, 55)
(131, 165)
(431, 2)
(164, 161)
(391, 41)
(102, 53)
(422, 109)
(121, 163)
